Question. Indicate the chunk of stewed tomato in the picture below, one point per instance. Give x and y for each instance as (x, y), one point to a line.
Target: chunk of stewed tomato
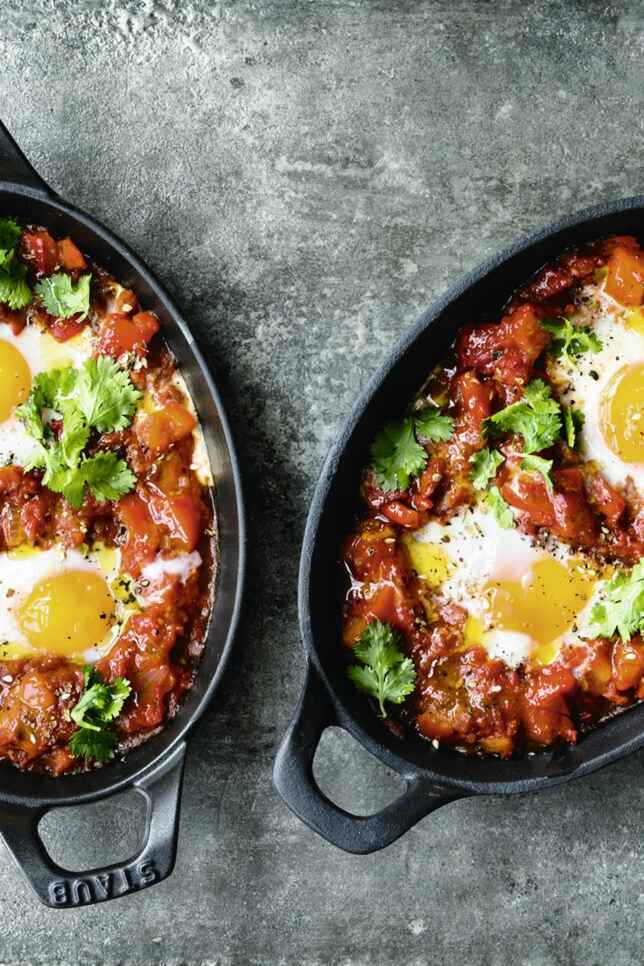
(625, 279)
(71, 258)
(120, 333)
(142, 537)
(41, 251)
(160, 430)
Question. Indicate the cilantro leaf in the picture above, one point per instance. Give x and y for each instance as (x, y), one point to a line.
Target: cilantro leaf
(502, 513)
(98, 396)
(621, 609)
(485, 463)
(75, 434)
(14, 290)
(10, 233)
(569, 340)
(536, 417)
(397, 455)
(432, 425)
(99, 705)
(99, 745)
(537, 464)
(63, 298)
(105, 395)
(48, 391)
(396, 452)
(573, 422)
(384, 671)
(108, 477)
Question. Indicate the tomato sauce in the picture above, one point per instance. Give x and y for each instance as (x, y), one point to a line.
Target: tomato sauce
(462, 696)
(168, 514)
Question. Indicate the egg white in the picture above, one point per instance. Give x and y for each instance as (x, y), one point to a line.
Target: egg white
(478, 550)
(22, 569)
(582, 384)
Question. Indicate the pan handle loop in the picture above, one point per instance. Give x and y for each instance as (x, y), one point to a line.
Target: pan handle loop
(59, 888)
(295, 782)
(14, 166)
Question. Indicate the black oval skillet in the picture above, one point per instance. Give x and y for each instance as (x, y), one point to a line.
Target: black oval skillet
(433, 777)
(154, 769)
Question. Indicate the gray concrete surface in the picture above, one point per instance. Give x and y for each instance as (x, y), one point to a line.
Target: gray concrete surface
(306, 177)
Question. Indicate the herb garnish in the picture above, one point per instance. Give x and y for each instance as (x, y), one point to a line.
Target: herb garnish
(98, 396)
(98, 706)
(621, 608)
(385, 672)
(536, 417)
(63, 298)
(14, 290)
(396, 453)
(570, 340)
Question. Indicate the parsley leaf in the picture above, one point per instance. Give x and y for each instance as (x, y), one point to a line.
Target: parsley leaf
(396, 453)
(105, 395)
(63, 298)
(621, 608)
(10, 233)
(385, 672)
(502, 513)
(99, 705)
(485, 463)
(536, 417)
(432, 425)
(569, 340)
(14, 290)
(537, 464)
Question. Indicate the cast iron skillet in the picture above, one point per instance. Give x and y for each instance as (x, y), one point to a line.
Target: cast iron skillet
(432, 777)
(155, 769)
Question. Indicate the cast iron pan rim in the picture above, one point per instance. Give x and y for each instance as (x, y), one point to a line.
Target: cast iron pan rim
(111, 787)
(337, 450)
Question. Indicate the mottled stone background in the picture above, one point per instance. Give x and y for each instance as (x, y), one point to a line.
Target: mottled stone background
(306, 177)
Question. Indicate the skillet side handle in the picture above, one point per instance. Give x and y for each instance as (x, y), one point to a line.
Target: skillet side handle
(60, 888)
(14, 166)
(295, 782)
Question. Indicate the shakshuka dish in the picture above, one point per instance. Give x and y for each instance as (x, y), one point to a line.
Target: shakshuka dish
(107, 546)
(495, 599)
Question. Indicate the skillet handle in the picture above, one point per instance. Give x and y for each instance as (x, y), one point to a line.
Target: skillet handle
(59, 888)
(294, 780)
(14, 166)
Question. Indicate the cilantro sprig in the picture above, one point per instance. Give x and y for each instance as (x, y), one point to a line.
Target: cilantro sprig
(14, 290)
(485, 463)
(536, 417)
(98, 706)
(569, 341)
(501, 510)
(396, 452)
(384, 672)
(537, 464)
(621, 607)
(99, 396)
(63, 298)
(573, 422)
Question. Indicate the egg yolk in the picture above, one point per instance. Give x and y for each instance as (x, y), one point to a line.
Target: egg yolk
(634, 320)
(428, 560)
(15, 379)
(67, 613)
(544, 605)
(622, 413)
